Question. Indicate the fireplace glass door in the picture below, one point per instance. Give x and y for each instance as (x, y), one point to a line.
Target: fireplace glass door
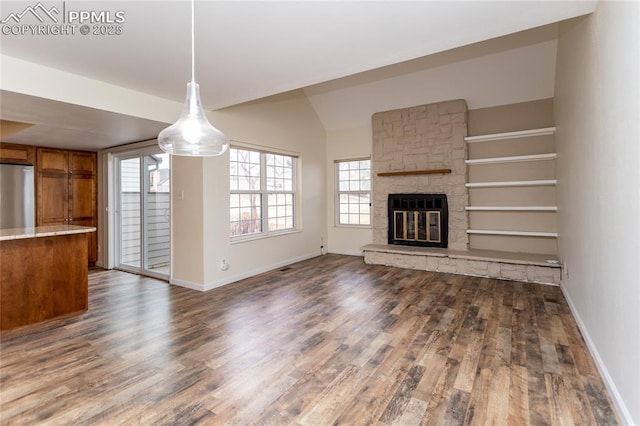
(418, 226)
(418, 220)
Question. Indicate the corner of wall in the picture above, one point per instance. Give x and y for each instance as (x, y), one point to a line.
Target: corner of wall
(596, 109)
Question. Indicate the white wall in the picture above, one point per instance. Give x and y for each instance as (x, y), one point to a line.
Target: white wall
(284, 122)
(341, 145)
(37, 80)
(187, 221)
(507, 70)
(597, 116)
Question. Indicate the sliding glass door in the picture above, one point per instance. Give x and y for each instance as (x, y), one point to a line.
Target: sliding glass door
(143, 213)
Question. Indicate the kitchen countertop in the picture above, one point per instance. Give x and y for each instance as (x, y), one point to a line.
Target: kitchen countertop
(43, 231)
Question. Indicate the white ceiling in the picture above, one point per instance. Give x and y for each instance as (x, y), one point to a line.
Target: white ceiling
(249, 50)
(68, 126)
(509, 69)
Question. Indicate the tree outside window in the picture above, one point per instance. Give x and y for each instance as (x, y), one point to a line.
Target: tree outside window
(262, 186)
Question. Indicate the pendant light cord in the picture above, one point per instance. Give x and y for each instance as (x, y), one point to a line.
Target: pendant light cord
(193, 37)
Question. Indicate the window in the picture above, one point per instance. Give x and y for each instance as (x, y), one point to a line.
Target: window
(353, 179)
(262, 187)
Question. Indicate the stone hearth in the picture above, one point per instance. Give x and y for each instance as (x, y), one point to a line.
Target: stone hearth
(478, 263)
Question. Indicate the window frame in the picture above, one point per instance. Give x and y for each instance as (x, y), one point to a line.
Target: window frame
(264, 193)
(338, 192)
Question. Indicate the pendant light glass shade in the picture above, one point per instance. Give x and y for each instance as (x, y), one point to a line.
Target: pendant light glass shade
(193, 135)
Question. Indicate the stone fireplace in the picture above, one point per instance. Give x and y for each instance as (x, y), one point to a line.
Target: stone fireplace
(420, 197)
(418, 220)
(421, 150)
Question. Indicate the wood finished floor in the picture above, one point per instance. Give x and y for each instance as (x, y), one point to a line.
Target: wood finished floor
(326, 341)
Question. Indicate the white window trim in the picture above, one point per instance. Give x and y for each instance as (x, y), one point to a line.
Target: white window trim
(337, 192)
(264, 207)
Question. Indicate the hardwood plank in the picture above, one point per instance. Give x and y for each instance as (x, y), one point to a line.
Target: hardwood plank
(469, 365)
(437, 408)
(434, 361)
(479, 399)
(599, 401)
(539, 404)
(519, 327)
(457, 409)
(559, 412)
(549, 357)
(518, 396)
(331, 401)
(403, 395)
(498, 398)
(413, 413)
(328, 341)
(578, 401)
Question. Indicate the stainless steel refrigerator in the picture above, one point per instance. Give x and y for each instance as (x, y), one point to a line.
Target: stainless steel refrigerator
(17, 196)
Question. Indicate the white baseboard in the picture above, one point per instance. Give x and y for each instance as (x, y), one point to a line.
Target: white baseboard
(187, 284)
(219, 283)
(100, 264)
(348, 252)
(608, 381)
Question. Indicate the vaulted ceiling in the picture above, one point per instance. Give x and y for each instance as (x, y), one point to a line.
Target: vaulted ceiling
(351, 58)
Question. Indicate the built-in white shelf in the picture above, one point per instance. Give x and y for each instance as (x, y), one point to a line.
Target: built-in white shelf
(549, 182)
(511, 135)
(512, 208)
(515, 159)
(513, 233)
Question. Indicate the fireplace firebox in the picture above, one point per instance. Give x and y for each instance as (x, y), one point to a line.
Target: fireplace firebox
(418, 220)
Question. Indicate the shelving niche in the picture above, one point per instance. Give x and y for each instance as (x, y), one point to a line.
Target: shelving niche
(511, 182)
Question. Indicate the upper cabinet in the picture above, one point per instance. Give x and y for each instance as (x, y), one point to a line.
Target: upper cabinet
(52, 187)
(17, 154)
(82, 162)
(66, 188)
(53, 160)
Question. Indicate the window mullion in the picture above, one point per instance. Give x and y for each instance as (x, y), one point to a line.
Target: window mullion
(263, 193)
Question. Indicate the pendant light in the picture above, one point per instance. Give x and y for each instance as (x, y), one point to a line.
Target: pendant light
(193, 135)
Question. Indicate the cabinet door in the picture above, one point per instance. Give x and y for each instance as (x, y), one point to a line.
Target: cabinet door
(82, 198)
(67, 191)
(82, 162)
(17, 154)
(52, 160)
(53, 199)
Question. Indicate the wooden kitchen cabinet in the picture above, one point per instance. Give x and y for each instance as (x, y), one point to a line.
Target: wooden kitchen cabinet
(42, 278)
(17, 154)
(52, 160)
(66, 188)
(82, 162)
(52, 205)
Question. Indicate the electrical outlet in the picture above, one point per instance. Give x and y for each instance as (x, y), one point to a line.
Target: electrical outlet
(224, 265)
